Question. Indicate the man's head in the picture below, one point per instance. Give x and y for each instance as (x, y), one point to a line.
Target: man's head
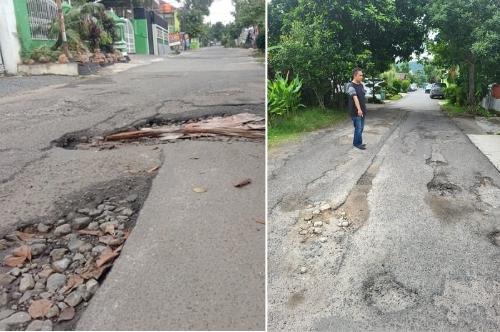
(357, 75)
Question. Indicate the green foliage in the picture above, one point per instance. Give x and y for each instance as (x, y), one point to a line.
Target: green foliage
(468, 37)
(455, 95)
(191, 16)
(397, 85)
(44, 53)
(322, 40)
(249, 13)
(88, 25)
(283, 96)
(405, 84)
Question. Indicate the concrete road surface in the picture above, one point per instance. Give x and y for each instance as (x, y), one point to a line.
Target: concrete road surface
(421, 249)
(194, 260)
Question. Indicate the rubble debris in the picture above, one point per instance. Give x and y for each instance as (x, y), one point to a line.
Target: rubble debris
(55, 270)
(243, 183)
(246, 125)
(199, 190)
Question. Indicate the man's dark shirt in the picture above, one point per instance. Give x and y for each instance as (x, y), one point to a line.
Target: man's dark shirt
(356, 90)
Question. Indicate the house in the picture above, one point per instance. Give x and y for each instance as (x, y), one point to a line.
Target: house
(492, 100)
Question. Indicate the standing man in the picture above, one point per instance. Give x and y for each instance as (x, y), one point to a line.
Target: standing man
(357, 107)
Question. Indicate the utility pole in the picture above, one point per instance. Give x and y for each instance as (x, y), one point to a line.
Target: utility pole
(62, 28)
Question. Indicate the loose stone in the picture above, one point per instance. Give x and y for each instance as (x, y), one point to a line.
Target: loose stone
(81, 222)
(40, 325)
(55, 281)
(61, 265)
(42, 228)
(73, 299)
(62, 230)
(27, 282)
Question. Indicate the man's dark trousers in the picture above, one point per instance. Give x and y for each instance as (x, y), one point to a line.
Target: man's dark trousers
(359, 124)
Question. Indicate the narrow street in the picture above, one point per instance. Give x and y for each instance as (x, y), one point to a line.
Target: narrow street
(401, 236)
(193, 260)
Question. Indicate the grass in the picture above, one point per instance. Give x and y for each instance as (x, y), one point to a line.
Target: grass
(305, 120)
(456, 110)
(395, 97)
(453, 110)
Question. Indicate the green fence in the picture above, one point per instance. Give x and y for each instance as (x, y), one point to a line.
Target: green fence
(34, 19)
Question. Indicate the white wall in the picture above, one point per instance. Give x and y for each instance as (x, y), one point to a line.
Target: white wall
(9, 41)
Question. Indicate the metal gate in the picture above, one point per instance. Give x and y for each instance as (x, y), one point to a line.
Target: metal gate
(129, 37)
(41, 14)
(160, 40)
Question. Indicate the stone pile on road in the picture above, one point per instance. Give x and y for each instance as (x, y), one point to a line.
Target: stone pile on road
(55, 266)
(309, 223)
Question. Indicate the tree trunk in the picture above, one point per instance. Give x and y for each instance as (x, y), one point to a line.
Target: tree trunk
(471, 97)
(62, 29)
(320, 98)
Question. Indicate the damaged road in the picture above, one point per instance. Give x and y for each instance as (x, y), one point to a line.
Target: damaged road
(47, 168)
(402, 236)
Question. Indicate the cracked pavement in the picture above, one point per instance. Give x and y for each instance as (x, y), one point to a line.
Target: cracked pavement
(216, 229)
(422, 255)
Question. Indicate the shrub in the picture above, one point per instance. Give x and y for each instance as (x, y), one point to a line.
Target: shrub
(405, 84)
(44, 54)
(283, 96)
(456, 95)
(397, 86)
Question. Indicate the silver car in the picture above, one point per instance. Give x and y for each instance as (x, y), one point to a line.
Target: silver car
(437, 90)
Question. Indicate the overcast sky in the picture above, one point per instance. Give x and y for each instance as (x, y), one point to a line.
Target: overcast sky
(220, 11)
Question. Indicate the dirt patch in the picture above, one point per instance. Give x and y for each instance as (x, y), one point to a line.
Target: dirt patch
(296, 299)
(356, 205)
(61, 259)
(387, 295)
(449, 210)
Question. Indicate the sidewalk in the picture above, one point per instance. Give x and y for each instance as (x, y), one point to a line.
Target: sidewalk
(489, 145)
(195, 261)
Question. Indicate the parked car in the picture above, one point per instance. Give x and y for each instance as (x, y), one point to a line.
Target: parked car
(428, 88)
(437, 90)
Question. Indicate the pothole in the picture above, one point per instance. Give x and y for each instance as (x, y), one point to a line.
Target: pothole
(487, 191)
(388, 295)
(53, 265)
(157, 129)
(439, 185)
(494, 238)
(352, 213)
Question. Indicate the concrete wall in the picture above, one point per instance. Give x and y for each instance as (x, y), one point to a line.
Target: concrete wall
(9, 41)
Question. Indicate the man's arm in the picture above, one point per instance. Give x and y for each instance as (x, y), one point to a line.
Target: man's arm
(358, 107)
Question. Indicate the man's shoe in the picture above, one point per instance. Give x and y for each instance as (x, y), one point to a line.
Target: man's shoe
(361, 147)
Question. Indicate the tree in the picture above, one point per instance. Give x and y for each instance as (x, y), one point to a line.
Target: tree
(191, 16)
(216, 31)
(322, 40)
(468, 35)
(250, 13)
